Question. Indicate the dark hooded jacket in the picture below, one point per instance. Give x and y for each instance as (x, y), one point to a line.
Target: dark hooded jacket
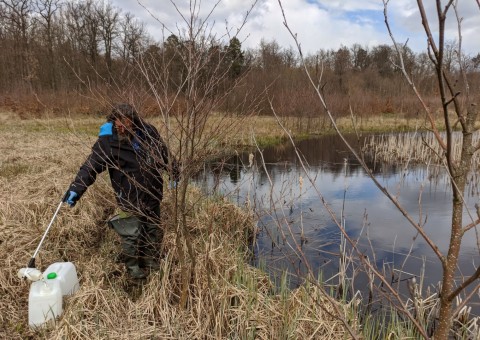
(135, 166)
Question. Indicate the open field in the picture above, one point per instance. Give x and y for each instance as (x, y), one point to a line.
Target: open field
(265, 129)
(227, 299)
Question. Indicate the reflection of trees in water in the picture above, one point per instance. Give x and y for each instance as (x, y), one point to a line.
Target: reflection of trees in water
(326, 153)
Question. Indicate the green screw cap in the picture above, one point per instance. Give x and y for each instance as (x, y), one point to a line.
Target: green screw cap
(51, 276)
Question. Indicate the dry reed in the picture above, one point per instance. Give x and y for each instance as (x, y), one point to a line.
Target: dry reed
(416, 148)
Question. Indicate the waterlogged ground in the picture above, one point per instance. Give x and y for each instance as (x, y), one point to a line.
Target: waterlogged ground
(298, 232)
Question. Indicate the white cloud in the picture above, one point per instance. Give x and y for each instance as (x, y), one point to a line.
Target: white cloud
(319, 24)
(316, 27)
(405, 16)
(351, 5)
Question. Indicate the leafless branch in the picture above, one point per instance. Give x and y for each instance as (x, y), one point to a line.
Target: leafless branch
(410, 82)
(342, 230)
(465, 284)
(354, 152)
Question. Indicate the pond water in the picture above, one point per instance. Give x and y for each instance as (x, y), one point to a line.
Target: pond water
(297, 232)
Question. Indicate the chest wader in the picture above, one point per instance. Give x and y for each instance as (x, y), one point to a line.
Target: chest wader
(139, 242)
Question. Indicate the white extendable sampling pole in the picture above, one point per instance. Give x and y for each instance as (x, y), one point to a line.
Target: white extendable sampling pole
(31, 263)
(30, 272)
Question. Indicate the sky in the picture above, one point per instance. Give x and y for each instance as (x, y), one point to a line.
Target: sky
(318, 24)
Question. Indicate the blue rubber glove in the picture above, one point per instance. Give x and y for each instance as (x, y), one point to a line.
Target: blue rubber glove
(71, 198)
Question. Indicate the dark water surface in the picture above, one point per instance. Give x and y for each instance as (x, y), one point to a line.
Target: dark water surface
(288, 208)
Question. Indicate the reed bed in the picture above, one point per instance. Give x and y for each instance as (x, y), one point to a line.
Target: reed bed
(227, 297)
(421, 147)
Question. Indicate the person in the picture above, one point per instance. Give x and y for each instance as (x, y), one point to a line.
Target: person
(136, 157)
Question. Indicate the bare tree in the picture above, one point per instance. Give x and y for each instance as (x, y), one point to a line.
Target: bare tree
(453, 101)
(359, 57)
(132, 33)
(75, 29)
(47, 9)
(190, 78)
(18, 15)
(83, 29)
(108, 18)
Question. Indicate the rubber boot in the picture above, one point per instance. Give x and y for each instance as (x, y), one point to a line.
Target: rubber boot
(148, 246)
(151, 263)
(133, 269)
(129, 231)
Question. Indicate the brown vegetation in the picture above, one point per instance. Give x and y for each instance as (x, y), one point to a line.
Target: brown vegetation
(64, 58)
(54, 53)
(228, 298)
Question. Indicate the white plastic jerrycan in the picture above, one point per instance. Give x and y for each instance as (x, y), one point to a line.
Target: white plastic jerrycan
(44, 301)
(66, 274)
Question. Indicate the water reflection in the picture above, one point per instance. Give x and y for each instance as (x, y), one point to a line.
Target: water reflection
(295, 207)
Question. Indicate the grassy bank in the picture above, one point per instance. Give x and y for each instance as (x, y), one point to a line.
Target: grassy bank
(264, 129)
(228, 298)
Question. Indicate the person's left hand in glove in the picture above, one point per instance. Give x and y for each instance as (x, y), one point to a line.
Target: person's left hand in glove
(71, 198)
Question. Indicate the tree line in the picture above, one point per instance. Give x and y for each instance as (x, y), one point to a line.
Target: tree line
(52, 47)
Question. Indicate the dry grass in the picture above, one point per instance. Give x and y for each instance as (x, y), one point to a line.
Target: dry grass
(227, 299)
(264, 128)
(417, 148)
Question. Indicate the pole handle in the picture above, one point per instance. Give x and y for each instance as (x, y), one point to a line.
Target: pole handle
(31, 263)
(64, 199)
